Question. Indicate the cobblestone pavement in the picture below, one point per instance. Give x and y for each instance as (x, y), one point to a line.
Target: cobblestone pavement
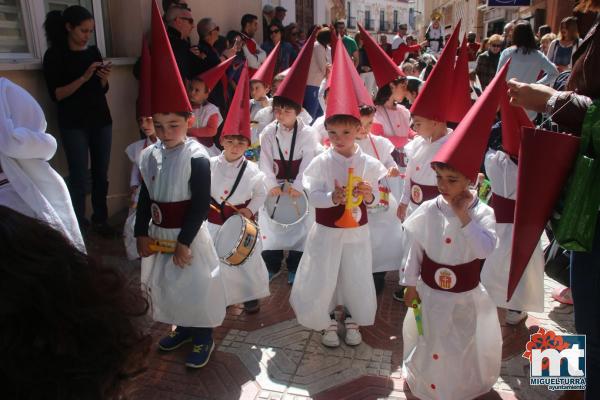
(268, 355)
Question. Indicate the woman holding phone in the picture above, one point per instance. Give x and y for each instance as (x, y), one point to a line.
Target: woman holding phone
(77, 80)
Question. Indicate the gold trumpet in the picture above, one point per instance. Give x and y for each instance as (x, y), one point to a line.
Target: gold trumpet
(346, 220)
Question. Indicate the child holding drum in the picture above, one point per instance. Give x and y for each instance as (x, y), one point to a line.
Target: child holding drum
(180, 267)
(288, 145)
(336, 266)
(237, 192)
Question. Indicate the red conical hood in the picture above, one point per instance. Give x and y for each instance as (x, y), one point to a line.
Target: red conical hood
(333, 41)
(513, 119)
(212, 77)
(461, 87)
(294, 83)
(435, 96)
(169, 94)
(266, 70)
(545, 160)
(144, 100)
(341, 99)
(363, 97)
(384, 68)
(238, 117)
(465, 148)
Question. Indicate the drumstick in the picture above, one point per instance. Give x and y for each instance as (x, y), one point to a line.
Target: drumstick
(295, 203)
(215, 208)
(277, 200)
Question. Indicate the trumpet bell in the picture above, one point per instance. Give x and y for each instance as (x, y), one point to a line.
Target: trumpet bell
(346, 220)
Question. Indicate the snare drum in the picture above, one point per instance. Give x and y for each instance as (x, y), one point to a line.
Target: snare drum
(236, 240)
(286, 211)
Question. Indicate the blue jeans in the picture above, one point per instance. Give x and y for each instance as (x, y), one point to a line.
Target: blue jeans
(311, 101)
(78, 144)
(585, 288)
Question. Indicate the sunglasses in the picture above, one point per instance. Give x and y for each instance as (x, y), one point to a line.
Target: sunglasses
(275, 31)
(216, 28)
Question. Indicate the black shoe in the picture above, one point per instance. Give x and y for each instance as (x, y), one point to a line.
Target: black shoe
(399, 294)
(104, 230)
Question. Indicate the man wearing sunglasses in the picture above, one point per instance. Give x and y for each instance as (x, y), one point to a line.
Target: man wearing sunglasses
(180, 23)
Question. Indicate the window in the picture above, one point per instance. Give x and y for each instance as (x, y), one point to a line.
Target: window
(382, 20)
(22, 34)
(368, 20)
(395, 20)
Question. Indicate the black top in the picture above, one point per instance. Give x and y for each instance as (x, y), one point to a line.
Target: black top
(189, 65)
(213, 59)
(87, 107)
(195, 215)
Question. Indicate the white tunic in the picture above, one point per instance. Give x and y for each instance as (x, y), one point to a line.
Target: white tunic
(388, 241)
(276, 237)
(201, 115)
(419, 168)
(195, 295)
(265, 116)
(258, 126)
(134, 152)
(249, 280)
(529, 294)
(458, 356)
(34, 188)
(336, 265)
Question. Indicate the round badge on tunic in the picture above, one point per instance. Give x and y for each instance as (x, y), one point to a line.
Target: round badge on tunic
(445, 278)
(156, 214)
(416, 193)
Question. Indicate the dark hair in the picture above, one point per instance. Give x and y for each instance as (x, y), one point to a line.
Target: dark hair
(69, 328)
(284, 102)
(413, 85)
(342, 119)
(247, 18)
(543, 30)
(384, 92)
(279, 26)
(230, 37)
(523, 37)
(324, 36)
(366, 110)
(56, 31)
(166, 4)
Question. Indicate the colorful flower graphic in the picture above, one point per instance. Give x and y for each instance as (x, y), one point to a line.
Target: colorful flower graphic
(542, 340)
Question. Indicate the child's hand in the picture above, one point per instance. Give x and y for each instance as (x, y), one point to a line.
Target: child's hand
(182, 256)
(294, 194)
(401, 212)
(339, 194)
(276, 191)
(460, 205)
(393, 172)
(410, 294)
(143, 246)
(246, 212)
(365, 190)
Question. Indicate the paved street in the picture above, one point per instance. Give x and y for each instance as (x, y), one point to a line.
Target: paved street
(269, 356)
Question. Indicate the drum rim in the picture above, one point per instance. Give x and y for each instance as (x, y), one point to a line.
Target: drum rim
(239, 240)
(304, 215)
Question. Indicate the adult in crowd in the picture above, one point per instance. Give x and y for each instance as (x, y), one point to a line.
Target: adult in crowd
(568, 109)
(286, 55)
(385, 45)
(321, 58)
(268, 12)
(400, 37)
(208, 33)
(77, 80)
(291, 34)
(166, 4)
(545, 42)
(542, 31)
(180, 24)
(349, 43)
(472, 46)
(484, 46)
(280, 13)
(526, 60)
(71, 329)
(563, 47)
(507, 34)
(364, 66)
(487, 62)
(252, 52)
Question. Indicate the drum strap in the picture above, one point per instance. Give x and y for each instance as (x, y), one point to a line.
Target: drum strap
(233, 188)
(287, 163)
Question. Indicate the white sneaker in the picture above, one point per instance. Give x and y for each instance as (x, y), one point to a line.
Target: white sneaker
(515, 317)
(330, 336)
(353, 336)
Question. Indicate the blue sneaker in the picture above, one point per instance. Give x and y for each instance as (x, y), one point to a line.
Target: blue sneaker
(175, 339)
(291, 277)
(273, 275)
(200, 355)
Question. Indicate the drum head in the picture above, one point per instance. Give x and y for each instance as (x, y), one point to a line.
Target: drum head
(286, 210)
(229, 235)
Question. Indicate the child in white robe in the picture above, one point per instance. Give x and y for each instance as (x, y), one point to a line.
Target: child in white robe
(28, 184)
(207, 117)
(134, 151)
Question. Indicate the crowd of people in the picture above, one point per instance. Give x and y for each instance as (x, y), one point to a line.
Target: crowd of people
(341, 157)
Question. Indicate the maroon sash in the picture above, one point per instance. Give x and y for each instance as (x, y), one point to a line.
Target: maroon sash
(169, 215)
(420, 193)
(294, 168)
(451, 278)
(328, 216)
(219, 218)
(504, 209)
